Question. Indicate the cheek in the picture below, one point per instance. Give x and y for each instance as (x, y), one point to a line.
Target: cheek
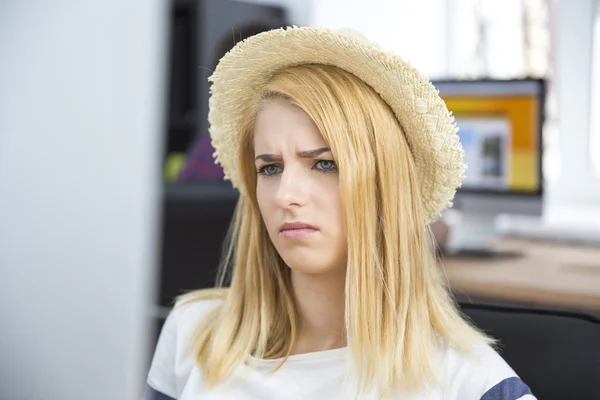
(265, 202)
(339, 214)
(260, 198)
(332, 191)
(329, 194)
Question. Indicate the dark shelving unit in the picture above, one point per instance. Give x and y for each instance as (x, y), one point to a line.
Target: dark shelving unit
(196, 215)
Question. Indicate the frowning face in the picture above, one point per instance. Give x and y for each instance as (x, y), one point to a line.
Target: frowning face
(298, 191)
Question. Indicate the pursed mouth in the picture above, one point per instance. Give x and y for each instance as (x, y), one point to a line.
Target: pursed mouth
(289, 226)
(294, 233)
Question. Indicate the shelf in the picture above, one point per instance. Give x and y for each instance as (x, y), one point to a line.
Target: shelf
(200, 192)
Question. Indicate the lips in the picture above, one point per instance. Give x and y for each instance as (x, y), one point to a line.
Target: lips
(290, 230)
(296, 225)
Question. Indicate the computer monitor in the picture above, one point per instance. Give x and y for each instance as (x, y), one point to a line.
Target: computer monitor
(500, 129)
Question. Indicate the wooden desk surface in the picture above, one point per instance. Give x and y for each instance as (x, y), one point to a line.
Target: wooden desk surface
(548, 274)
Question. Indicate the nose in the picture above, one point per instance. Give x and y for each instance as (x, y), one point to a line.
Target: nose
(293, 188)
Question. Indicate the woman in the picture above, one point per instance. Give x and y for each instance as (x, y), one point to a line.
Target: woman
(342, 154)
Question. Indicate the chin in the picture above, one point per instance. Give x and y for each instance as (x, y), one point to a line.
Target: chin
(309, 264)
(311, 270)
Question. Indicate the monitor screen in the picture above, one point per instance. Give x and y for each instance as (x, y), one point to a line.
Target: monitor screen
(499, 125)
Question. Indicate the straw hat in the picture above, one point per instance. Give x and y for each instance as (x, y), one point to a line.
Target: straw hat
(428, 125)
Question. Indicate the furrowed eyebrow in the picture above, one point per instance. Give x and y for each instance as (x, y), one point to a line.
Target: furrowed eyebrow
(314, 153)
(302, 154)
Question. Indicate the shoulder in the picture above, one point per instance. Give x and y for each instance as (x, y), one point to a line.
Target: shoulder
(188, 314)
(172, 362)
(482, 374)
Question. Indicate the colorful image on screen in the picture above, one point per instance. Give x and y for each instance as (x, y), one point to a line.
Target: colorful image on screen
(500, 136)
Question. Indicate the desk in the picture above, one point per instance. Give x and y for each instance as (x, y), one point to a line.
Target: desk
(548, 274)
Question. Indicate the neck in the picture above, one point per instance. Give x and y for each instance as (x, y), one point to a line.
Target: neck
(321, 307)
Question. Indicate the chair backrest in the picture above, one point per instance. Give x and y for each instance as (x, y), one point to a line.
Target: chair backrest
(556, 353)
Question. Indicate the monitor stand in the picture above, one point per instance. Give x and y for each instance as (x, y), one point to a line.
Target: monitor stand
(472, 235)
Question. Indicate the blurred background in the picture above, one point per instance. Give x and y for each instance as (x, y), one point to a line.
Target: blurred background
(110, 205)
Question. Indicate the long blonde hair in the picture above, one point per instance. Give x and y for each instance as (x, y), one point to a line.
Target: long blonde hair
(397, 306)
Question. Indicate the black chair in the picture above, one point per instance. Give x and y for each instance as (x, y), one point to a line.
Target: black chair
(556, 353)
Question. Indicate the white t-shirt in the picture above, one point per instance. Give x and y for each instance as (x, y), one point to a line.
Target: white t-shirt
(321, 375)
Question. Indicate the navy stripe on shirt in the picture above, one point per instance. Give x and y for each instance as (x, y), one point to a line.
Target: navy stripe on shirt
(153, 394)
(509, 389)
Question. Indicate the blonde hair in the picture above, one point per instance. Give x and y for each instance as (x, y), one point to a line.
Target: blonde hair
(397, 306)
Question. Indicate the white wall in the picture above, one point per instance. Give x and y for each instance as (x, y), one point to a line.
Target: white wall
(299, 11)
(416, 30)
(595, 96)
(575, 196)
(80, 119)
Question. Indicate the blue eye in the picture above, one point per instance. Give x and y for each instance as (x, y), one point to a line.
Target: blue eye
(326, 165)
(269, 170)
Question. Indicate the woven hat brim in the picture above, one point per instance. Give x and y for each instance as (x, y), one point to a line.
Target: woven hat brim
(429, 127)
